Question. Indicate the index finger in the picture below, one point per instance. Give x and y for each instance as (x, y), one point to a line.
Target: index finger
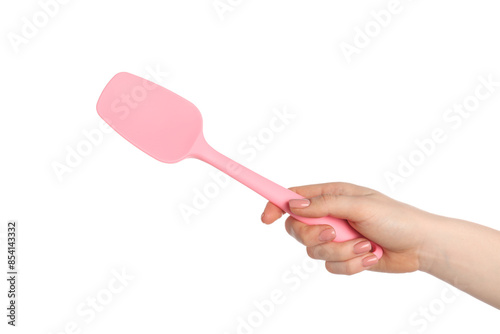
(272, 212)
(334, 188)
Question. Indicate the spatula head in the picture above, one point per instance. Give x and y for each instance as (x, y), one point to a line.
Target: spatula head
(156, 120)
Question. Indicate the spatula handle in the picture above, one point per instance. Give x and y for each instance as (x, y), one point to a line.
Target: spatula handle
(273, 192)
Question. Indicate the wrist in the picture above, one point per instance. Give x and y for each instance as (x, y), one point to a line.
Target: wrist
(432, 242)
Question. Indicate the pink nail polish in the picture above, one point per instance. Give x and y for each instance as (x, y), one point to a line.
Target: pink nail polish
(362, 247)
(327, 235)
(299, 203)
(369, 261)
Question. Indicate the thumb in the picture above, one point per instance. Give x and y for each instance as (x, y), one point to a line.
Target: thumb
(339, 206)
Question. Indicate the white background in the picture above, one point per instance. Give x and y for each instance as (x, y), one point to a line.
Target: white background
(119, 208)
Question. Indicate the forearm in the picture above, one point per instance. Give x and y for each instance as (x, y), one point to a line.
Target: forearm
(464, 254)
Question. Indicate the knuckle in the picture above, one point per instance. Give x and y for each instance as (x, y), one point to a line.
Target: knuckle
(340, 187)
(301, 233)
(322, 252)
(349, 269)
(297, 232)
(330, 268)
(311, 252)
(325, 198)
(288, 225)
(309, 234)
(340, 268)
(297, 236)
(345, 250)
(319, 253)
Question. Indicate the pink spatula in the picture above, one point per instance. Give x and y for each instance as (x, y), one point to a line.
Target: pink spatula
(169, 128)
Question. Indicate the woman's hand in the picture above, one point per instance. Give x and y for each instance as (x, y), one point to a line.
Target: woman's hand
(397, 227)
(462, 253)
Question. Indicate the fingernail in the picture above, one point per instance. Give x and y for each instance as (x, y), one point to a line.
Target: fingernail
(369, 261)
(327, 235)
(362, 247)
(262, 216)
(299, 203)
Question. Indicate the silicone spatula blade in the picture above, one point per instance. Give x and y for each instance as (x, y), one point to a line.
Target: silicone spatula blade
(169, 128)
(156, 120)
